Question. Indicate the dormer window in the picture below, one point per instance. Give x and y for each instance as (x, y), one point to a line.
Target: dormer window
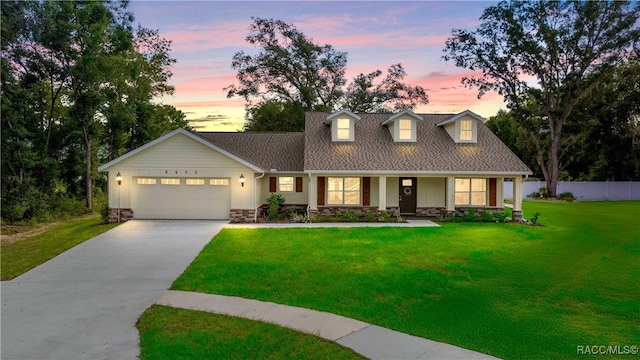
(343, 131)
(342, 125)
(405, 129)
(466, 130)
(402, 126)
(462, 127)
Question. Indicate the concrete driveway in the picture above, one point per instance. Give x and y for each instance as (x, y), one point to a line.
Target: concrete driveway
(84, 303)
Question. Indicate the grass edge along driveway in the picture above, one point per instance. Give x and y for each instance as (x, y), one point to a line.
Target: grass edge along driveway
(507, 290)
(170, 333)
(23, 255)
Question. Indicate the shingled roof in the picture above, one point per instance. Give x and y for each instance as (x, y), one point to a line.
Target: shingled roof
(266, 150)
(373, 149)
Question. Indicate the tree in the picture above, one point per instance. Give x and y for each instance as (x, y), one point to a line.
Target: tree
(390, 94)
(71, 73)
(289, 67)
(566, 47)
(291, 75)
(274, 115)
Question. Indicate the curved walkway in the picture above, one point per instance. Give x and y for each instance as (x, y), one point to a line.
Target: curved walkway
(369, 340)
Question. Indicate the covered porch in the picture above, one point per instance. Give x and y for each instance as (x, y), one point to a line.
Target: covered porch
(410, 194)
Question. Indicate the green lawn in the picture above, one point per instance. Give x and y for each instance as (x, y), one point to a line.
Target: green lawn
(168, 333)
(23, 255)
(508, 290)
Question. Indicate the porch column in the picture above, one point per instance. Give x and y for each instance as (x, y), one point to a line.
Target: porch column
(451, 194)
(517, 197)
(313, 192)
(382, 193)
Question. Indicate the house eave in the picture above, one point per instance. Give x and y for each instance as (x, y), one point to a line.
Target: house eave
(404, 112)
(426, 173)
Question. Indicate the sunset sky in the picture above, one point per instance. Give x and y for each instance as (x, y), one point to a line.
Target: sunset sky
(206, 35)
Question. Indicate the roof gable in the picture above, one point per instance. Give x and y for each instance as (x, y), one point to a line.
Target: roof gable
(402, 113)
(460, 115)
(169, 135)
(336, 114)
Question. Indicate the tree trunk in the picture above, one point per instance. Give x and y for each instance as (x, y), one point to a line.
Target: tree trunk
(87, 142)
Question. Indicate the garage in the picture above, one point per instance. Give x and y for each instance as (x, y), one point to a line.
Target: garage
(180, 198)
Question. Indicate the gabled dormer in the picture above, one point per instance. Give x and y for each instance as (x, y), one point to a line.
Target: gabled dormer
(343, 124)
(463, 127)
(402, 126)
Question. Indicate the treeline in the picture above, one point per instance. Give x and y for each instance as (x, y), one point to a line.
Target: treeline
(601, 140)
(78, 89)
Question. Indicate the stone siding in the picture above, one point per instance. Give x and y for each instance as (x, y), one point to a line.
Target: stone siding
(431, 211)
(241, 215)
(126, 214)
(478, 211)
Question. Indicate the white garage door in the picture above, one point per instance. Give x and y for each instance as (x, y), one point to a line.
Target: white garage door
(180, 198)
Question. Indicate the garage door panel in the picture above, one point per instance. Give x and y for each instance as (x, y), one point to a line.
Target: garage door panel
(163, 201)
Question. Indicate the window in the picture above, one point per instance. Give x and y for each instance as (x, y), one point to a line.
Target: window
(170, 181)
(407, 182)
(343, 191)
(285, 183)
(343, 131)
(218, 182)
(471, 192)
(404, 129)
(194, 181)
(466, 130)
(145, 181)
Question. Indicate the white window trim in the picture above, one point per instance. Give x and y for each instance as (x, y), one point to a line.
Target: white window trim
(469, 192)
(411, 129)
(281, 185)
(343, 191)
(473, 131)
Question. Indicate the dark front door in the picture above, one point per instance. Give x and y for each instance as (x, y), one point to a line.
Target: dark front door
(408, 196)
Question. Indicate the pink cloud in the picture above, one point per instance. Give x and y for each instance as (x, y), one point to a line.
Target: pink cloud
(226, 103)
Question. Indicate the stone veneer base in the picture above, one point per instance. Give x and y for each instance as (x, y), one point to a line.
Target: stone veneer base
(241, 215)
(126, 214)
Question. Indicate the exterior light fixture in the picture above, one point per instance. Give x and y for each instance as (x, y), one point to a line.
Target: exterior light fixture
(119, 180)
(241, 180)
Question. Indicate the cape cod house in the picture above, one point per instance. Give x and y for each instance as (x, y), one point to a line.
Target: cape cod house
(403, 163)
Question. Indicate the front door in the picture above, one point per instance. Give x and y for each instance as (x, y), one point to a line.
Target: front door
(408, 196)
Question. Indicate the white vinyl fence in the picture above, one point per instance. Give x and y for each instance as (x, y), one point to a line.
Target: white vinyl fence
(583, 190)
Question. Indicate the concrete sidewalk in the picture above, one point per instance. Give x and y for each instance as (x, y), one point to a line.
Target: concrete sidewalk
(369, 340)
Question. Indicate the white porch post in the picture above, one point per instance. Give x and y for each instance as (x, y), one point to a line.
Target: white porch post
(517, 198)
(313, 192)
(382, 193)
(451, 194)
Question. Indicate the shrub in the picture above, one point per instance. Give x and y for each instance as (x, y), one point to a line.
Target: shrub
(105, 211)
(544, 192)
(299, 218)
(534, 195)
(351, 217)
(384, 216)
(369, 216)
(500, 216)
(566, 196)
(274, 203)
(534, 218)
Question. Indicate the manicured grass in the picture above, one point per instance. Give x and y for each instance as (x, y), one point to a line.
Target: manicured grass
(25, 254)
(508, 290)
(169, 333)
